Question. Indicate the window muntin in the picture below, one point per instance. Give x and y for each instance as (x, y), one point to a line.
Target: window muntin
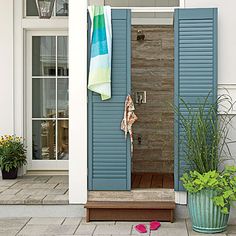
(50, 105)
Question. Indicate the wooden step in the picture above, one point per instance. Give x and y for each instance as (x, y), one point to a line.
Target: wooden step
(142, 195)
(129, 211)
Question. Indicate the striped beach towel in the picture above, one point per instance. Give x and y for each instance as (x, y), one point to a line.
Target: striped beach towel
(101, 44)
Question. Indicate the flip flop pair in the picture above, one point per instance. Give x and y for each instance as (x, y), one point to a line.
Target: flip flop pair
(141, 228)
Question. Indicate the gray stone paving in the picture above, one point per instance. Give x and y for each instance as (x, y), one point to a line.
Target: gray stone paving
(38, 190)
(77, 226)
(35, 190)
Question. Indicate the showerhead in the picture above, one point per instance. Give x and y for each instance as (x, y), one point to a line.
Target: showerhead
(140, 35)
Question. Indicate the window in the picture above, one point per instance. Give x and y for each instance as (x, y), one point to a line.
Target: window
(49, 82)
(60, 8)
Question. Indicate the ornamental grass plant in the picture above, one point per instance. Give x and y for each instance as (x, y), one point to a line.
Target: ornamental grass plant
(205, 143)
(206, 146)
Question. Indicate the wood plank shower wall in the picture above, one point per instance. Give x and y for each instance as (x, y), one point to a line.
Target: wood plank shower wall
(153, 71)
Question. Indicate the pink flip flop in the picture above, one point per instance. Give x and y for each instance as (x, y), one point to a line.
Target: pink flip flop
(141, 228)
(154, 225)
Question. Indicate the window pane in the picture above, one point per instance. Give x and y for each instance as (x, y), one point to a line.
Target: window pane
(43, 136)
(62, 8)
(44, 55)
(63, 140)
(62, 98)
(44, 98)
(31, 8)
(62, 56)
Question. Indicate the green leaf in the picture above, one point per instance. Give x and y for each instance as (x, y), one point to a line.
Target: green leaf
(225, 210)
(227, 193)
(219, 200)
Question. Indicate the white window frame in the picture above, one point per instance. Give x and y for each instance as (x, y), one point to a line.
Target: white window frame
(40, 164)
(21, 26)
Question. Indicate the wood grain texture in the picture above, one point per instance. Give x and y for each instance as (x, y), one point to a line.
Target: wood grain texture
(128, 211)
(130, 205)
(153, 72)
(130, 215)
(152, 180)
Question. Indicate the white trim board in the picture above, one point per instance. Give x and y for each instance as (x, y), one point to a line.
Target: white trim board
(18, 70)
(181, 197)
(151, 21)
(153, 9)
(149, 9)
(144, 9)
(78, 101)
(46, 24)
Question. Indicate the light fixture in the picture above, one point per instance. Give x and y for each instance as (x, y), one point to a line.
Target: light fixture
(45, 8)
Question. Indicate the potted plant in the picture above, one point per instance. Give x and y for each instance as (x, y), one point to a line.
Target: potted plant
(12, 155)
(211, 186)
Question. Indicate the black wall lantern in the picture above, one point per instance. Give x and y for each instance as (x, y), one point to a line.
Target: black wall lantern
(45, 8)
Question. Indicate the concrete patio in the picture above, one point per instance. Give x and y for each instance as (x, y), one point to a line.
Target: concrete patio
(78, 226)
(35, 190)
(41, 196)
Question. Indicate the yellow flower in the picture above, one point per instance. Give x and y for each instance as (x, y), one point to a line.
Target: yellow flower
(5, 139)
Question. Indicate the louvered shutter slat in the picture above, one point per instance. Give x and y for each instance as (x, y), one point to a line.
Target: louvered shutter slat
(195, 68)
(109, 151)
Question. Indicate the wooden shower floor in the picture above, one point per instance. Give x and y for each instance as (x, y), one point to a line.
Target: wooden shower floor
(152, 180)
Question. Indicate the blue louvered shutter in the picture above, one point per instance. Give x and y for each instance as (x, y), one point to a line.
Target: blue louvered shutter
(195, 67)
(109, 151)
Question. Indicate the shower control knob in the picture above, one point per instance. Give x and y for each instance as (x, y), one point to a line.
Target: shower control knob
(139, 140)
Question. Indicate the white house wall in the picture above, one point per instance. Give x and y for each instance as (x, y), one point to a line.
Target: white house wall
(226, 36)
(6, 67)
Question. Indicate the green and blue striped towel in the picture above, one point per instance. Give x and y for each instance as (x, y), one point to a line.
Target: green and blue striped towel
(100, 58)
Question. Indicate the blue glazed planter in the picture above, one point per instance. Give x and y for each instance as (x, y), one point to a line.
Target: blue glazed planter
(205, 215)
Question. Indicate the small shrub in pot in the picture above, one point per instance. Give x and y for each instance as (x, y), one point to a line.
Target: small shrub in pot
(12, 155)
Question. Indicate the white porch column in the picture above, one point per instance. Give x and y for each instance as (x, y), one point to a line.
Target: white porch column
(6, 67)
(78, 101)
